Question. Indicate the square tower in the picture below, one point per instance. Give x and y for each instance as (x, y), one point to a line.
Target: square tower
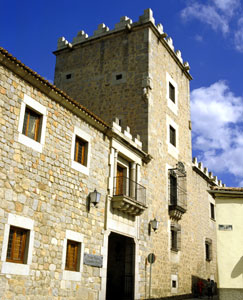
(133, 73)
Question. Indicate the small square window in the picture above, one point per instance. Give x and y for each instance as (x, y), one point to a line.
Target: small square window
(80, 154)
(16, 251)
(172, 136)
(68, 76)
(72, 256)
(212, 213)
(118, 76)
(171, 92)
(32, 124)
(208, 249)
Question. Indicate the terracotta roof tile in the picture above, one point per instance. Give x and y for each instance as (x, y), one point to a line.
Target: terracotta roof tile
(52, 86)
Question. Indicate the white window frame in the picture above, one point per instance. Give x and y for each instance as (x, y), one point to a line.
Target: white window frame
(173, 106)
(173, 150)
(174, 277)
(87, 138)
(77, 237)
(11, 267)
(36, 106)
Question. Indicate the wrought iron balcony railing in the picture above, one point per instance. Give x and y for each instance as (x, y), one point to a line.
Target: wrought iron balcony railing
(124, 186)
(129, 196)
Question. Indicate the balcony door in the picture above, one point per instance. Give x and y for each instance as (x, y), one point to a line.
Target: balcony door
(121, 180)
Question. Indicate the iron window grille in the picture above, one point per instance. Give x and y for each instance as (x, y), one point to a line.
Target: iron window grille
(175, 237)
(177, 186)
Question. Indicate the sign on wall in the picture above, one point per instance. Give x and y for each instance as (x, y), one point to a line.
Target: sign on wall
(93, 260)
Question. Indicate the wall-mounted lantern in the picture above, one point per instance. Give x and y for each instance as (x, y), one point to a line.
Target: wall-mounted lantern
(153, 224)
(94, 197)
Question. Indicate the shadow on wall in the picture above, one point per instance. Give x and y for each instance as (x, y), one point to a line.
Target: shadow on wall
(238, 269)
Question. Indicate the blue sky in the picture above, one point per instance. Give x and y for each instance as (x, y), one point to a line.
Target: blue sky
(209, 34)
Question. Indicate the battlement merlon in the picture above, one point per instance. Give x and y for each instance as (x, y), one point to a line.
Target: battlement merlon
(128, 25)
(208, 176)
(125, 136)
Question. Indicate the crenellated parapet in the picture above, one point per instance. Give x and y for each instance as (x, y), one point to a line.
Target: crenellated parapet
(126, 135)
(124, 24)
(199, 168)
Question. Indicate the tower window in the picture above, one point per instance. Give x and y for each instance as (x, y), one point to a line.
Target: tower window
(68, 76)
(208, 249)
(212, 213)
(172, 92)
(172, 136)
(118, 76)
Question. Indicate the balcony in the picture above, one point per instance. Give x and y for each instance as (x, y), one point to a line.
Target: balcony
(177, 193)
(128, 196)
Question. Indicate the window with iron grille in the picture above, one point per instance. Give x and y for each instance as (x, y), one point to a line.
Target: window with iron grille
(72, 256)
(171, 92)
(80, 154)
(208, 249)
(32, 124)
(172, 136)
(175, 231)
(16, 251)
(173, 190)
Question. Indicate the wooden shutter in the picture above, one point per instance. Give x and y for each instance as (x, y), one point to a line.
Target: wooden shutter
(31, 127)
(119, 180)
(80, 147)
(16, 244)
(72, 256)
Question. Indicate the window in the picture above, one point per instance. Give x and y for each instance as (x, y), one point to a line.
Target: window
(212, 213)
(80, 151)
(171, 92)
(208, 249)
(118, 76)
(72, 258)
(32, 124)
(175, 237)
(172, 136)
(173, 283)
(31, 127)
(68, 76)
(73, 249)
(173, 190)
(16, 245)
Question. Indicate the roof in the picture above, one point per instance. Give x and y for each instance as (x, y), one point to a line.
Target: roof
(21, 69)
(226, 193)
(227, 189)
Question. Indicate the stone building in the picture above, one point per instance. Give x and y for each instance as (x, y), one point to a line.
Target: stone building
(56, 155)
(229, 204)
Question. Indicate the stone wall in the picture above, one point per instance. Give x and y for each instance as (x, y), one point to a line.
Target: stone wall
(42, 187)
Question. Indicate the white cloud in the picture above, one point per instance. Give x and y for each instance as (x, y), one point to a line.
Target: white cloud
(238, 37)
(217, 119)
(228, 7)
(220, 15)
(206, 14)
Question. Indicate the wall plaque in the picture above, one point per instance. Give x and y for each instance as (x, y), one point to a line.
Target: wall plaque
(93, 260)
(225, 227)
